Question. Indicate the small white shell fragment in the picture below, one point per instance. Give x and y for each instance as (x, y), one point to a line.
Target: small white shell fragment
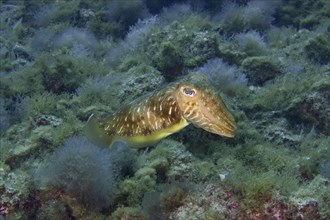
(222, 177)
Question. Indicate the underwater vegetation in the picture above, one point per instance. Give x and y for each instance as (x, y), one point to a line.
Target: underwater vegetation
(84, 170)
(255, 15)
(231, 79)
(62, 61)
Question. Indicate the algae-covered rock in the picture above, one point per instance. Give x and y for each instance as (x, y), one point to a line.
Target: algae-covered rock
(109, 92)
(181, 161)
(230, 53)
(316, 195)
(131, 190)
(311, 109)
(14, 189)
(127, 213)
(83, 171)
(215, 199)
(62, 73)
(303, 14)
(170, 61)
(48, 120)
(178, 46)
(137, 81)
(54, 209)
(27, 143)
(168, 162)
(278, 131)
(252, 43)
(261, 69)
(318, 49)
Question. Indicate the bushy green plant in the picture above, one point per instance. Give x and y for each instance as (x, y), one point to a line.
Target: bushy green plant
(259, 189)
(224, 77)
(22, 82)
(131, 190)
(286, 89)
(4, 117)
(260, 69)
(314, 152)
(116, 18)
(252, 43)
(55, 13)
(169, 61)
(302, 14)
(127, 213)
(318, 49)
(183, 13)
(60, 73)
(177, 46)
(173, 198)
(38, 104)
(315, 190)
(98, 89)
(76, 42)
(82, 170)
(54, 209)
(267, 157)
(259, 172)
(4, 149)
(255, 15)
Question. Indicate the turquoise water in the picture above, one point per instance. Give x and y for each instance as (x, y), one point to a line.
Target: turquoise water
(62, 61)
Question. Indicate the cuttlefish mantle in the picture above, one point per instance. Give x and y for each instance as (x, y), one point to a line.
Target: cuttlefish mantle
(145, 122)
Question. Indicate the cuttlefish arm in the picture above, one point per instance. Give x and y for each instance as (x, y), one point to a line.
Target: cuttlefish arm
(161, 114)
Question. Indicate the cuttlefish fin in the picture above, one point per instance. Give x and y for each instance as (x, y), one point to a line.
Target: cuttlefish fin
(95, 133)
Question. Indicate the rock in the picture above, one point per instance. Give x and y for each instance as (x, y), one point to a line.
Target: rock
(261, 69)
(138, 81)
(311, 109)
(318, 49)
(177, 47)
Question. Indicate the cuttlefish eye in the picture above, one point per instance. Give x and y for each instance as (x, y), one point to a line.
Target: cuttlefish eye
(189, 92)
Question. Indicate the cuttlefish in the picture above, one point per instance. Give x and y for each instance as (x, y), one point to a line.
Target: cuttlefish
(143, 123)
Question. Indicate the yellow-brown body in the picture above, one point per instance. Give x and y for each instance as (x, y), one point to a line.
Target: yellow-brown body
(145, 122)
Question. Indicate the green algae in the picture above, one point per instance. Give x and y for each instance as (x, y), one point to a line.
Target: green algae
(318, 49)
(127, 212)
(261, 69)
(181, 45)
(303, 14)
(315, 190)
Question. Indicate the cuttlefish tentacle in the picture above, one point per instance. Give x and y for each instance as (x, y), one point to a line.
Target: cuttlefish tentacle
(167, 111)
